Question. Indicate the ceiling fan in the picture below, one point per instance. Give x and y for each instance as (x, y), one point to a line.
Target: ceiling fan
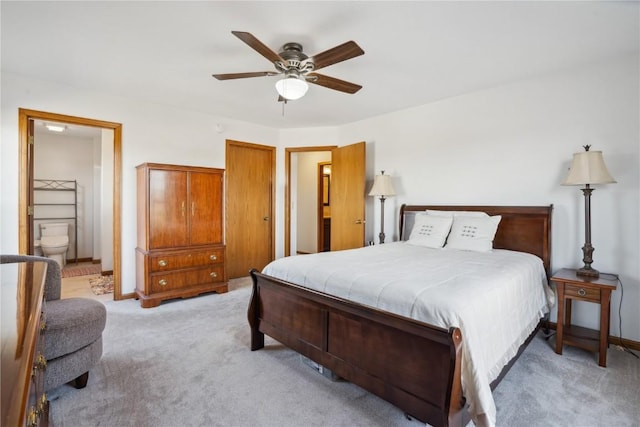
(298, 68)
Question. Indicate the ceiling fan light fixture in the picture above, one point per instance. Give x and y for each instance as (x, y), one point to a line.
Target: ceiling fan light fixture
(291, 87)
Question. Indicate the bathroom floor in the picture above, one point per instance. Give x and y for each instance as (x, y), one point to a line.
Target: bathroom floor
(79, 287)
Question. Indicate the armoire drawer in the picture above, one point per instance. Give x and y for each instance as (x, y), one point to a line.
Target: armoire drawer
(174, 261)
(165, 281)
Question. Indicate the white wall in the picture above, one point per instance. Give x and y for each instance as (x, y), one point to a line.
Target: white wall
(150, 133)
(513, 145)
(507, 145)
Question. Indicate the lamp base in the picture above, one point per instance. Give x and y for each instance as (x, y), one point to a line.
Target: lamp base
(588, 272)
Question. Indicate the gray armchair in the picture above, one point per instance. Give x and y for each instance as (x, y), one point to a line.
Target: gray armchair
(73, 334)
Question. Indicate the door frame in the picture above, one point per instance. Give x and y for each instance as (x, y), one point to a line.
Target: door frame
(25, 181)
(321, 205)
(287, 188)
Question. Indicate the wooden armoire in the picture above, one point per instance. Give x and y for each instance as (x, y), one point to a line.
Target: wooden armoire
(181, 251)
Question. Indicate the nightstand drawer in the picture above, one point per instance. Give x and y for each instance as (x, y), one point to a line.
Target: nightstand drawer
(582, 292)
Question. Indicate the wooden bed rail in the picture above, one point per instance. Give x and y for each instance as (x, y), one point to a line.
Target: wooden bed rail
(413, 365)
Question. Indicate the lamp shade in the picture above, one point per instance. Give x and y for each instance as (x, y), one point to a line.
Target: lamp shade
(382, 186)
(291, 88)
(588, 168)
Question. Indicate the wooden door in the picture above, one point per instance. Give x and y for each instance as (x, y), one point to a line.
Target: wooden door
(250, 170)
(205, 199)
(348, 180)
(167, 209)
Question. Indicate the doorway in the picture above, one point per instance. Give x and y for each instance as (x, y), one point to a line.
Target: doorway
(291, 178)
(27, 120)
(347, 195)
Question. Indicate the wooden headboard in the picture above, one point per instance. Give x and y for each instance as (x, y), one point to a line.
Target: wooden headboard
(522, 228)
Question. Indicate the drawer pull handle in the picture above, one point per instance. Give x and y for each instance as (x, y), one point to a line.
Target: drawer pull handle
(213, 274)
(42, 403)
(32, 418)
(213, 257)
(40, 362)
(162, 263)
(163, 282)
(582, 292)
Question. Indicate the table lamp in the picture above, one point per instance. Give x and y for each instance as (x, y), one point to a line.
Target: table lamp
(383, 188)
(588, 168)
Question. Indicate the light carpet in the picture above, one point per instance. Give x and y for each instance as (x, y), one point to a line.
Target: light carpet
(188, 363)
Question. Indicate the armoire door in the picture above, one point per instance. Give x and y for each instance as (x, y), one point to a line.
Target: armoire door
(168, 226)
(205, 214)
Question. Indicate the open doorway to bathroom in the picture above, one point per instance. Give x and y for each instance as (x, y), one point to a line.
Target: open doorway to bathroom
(72, 177)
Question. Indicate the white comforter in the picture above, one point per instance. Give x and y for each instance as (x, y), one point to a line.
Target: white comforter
(495, 298)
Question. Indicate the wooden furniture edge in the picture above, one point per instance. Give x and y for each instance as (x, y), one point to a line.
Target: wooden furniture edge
(27, 403)
(614, 340)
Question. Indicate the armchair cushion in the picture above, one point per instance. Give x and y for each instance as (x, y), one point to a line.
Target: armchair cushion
(72, 366)
(72, 324)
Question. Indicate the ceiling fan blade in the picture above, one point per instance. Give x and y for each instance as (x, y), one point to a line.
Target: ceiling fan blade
(258, 46)
(244, 75)
(333, 83)
(337, 54)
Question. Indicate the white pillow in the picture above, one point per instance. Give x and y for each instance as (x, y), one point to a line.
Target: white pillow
(473, 233)
(475, 214)
(430, 230)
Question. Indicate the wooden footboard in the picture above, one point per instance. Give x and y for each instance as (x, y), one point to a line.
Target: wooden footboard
(413, 365)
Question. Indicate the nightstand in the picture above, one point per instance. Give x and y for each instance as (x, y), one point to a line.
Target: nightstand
(582, 288)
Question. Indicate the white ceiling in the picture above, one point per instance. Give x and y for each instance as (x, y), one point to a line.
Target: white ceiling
(415, 52)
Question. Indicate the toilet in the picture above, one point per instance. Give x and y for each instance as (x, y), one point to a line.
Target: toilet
(54, 241)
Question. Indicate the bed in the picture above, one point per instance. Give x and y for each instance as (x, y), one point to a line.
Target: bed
(427, 368)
